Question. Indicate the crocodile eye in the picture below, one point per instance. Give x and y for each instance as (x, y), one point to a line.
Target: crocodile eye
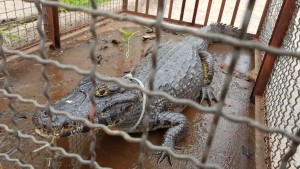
(102, 91)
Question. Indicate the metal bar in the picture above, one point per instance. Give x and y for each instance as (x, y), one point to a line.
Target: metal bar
(53, 26)
(165, 19)
(237, 4)
(136, 8)
(125, 5)
(195, 12)
(147, 6)
(221, 10)
(182, 10)
(263, 18)
(170, 9)
(280, 29)
(207, 12)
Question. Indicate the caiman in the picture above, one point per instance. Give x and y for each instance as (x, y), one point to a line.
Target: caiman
(184, 70)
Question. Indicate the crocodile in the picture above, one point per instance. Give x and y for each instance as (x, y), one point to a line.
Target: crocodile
(184, 70)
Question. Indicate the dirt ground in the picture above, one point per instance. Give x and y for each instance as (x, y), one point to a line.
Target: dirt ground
(233, 145)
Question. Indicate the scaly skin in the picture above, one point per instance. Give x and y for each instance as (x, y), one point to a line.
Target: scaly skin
(184, 70)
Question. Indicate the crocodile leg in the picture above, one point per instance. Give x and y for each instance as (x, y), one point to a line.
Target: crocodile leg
(207, 92)
(178, 126)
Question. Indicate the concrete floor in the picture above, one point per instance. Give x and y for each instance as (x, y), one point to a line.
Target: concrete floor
(233, 145)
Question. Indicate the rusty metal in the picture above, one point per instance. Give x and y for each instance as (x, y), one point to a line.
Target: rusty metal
(147, 6)
(207, 12)
(221, 10)
(236, 8)
(136, 9)
(125, 5)
(188, 12)
(195, 12)
(281, 27)
(170, 9)
(182, 10)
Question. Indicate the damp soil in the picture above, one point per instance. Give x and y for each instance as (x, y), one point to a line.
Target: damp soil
(233, 143)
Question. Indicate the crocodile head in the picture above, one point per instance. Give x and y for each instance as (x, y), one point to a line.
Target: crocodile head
(114, 106)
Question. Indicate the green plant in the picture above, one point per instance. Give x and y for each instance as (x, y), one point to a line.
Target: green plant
(9, 36)
(128, 35)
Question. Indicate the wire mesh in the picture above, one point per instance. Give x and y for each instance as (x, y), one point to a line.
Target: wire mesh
(18, 23)
(282, 98)
(217, 111)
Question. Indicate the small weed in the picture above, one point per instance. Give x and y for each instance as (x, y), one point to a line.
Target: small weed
(128, 35)
(7, 37)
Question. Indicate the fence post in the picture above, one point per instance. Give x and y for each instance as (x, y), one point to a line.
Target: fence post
(53, 26)
(279, 32)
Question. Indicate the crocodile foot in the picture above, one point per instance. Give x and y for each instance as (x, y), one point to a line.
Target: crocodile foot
(163, 155)
(209, 94)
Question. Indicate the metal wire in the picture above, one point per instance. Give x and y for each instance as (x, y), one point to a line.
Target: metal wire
(278, 132)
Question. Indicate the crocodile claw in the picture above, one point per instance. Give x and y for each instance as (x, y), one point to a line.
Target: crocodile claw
(208, 93)
(162, 156)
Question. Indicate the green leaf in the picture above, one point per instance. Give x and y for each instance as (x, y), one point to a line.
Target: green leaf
(126, 32)
(15, 37)
(125, 40)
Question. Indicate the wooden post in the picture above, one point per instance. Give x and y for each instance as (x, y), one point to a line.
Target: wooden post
(279, 32)
(53, 26)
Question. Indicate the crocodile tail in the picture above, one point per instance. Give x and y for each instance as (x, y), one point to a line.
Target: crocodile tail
(227, 30)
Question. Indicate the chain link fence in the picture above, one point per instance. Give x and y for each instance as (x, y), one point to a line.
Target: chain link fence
(282, 96)
(289, 130)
